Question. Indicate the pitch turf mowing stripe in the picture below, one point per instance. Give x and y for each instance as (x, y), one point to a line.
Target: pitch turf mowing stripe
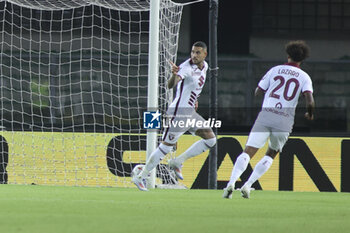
(79, 209)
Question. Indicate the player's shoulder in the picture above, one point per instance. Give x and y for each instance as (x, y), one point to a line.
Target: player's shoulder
(186, 64)
(305, 75)
(302, 74)
(206, 65)
(272, 72)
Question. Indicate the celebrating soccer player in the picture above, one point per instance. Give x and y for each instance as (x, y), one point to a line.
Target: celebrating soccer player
(281, 87)
(189, 78)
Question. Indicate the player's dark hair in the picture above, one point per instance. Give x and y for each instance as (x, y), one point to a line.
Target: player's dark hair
(297, 50)
(200, 44)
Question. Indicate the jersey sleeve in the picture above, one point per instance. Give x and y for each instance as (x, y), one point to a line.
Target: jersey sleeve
(307, 87)
(264, 83)
(183, 72)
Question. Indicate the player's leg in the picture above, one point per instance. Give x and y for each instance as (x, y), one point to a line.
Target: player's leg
(208, 141)
(154, 159)
(170, 137)
(240, 166)
(276, 143)
(162, 150)
(257, 139)
(260, 168)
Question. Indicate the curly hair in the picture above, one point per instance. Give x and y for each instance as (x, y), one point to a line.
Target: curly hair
(297, 50)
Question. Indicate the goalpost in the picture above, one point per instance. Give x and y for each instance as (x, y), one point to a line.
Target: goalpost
(74, 82)
(152, 101)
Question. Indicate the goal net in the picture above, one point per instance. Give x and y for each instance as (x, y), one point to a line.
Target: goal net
(74, 88)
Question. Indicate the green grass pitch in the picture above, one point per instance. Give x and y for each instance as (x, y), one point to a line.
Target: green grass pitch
(35, 208)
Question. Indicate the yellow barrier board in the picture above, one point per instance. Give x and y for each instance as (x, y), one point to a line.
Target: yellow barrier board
(52, 158)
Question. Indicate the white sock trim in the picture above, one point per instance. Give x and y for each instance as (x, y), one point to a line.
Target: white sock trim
(268, 159)
(260, 169)
(155, 158)
(240, 166)
(245, 156)
(165, 149)
(210, 142)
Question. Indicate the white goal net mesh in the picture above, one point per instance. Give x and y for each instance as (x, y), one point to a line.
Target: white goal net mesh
(74, 88)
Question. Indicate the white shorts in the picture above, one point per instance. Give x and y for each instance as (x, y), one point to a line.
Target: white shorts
(172, 132)
(260, 134)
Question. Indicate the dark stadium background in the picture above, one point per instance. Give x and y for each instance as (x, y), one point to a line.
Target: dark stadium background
(251, 38)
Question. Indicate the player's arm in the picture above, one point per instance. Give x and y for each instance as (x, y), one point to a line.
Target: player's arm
(259, 91)
(263, 84)
(310, 105)
(174, 79)
(172, 82)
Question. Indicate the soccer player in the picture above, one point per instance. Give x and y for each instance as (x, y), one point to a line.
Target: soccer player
(281, 87)
(189, 78)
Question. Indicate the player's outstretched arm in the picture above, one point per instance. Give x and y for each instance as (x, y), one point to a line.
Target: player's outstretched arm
(174, 79)
(310, 105)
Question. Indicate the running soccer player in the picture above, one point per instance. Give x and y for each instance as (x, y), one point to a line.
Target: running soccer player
(189, 78)
(281, 87)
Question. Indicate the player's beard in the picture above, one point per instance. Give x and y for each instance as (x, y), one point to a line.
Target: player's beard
(195, 61)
